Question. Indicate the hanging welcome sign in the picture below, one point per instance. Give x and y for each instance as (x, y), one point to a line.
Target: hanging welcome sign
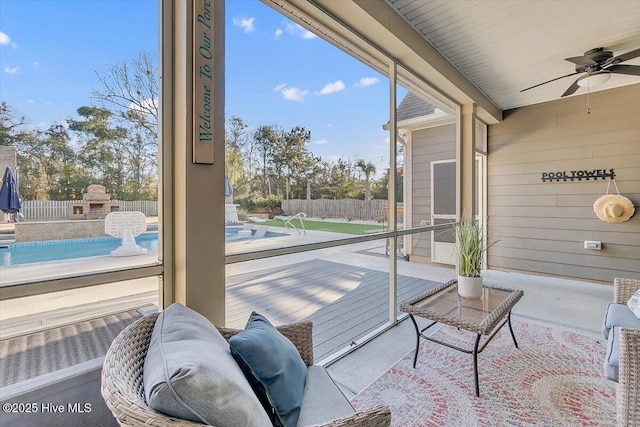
(581, 175)
(203, 82)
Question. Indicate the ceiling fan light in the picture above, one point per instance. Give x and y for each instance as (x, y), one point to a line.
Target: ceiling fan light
(595, 79)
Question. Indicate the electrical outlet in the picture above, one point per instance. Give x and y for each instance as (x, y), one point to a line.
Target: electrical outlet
(593, 244)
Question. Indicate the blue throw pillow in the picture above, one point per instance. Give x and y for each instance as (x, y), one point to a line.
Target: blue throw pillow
(273, 367)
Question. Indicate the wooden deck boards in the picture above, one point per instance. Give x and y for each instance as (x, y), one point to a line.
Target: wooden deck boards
(28, 356)
(344, 302)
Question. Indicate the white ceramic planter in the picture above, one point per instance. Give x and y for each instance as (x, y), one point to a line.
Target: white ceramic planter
(469, 287)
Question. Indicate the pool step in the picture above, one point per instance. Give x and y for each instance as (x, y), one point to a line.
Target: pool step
(7, 237)
(6, 240)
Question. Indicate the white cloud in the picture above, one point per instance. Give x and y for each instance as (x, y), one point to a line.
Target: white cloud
(245, 23)
(11, 70)
(31, 101)
(35, 63)
(329, 88)
(321, 142)
(42, 125)
(308, 35)
(6, 40)
(291, 93)
(334, 87)
(294, 94)
(278, 33)
(367, 81)
(147, 105)
(297, 30)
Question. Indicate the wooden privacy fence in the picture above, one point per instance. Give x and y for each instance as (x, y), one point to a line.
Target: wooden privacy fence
(344, 208)
(57, 209)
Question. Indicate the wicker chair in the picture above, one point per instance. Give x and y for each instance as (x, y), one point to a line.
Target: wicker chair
(628, 393)
(122, 387)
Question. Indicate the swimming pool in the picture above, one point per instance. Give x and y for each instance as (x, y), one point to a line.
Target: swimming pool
(55, 250)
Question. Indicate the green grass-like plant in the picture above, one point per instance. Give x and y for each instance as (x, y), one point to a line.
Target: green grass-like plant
(471, 247)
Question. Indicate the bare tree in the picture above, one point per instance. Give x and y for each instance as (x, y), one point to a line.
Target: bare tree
(132, 88)
(265, 139)
(130, 92)
(236, 166)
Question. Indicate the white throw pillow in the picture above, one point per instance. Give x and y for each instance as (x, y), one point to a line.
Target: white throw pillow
(634, 303)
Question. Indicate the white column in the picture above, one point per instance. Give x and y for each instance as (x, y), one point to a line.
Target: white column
(193, 194)
(466, 158)
(393, 137)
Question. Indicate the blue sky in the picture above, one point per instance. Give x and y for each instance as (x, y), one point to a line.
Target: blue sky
(276, 72)
(50, 50)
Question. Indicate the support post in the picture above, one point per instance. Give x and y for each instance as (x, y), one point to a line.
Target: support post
(467, 159)
(393, 226)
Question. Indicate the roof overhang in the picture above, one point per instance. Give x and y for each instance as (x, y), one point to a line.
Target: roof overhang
(439, 118)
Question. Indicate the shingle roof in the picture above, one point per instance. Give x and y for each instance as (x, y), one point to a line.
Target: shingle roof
(413, 106)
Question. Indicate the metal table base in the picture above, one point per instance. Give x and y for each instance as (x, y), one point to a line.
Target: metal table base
(475, 351)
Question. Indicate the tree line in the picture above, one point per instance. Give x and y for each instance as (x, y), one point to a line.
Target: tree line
(272, 161)
(114, 142)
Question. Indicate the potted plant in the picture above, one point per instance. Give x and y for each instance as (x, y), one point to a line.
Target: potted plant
(470, 250)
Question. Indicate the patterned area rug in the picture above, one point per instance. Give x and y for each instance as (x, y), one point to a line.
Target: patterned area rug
(554, 379)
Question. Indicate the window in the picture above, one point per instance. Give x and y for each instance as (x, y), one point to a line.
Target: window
(83, 124)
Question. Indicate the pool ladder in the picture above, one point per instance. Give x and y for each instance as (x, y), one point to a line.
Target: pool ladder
(299, 216)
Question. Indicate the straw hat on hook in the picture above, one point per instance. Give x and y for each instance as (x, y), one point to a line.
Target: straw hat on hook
(613, 208)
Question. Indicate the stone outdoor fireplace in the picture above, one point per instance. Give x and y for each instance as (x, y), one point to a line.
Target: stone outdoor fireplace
(95, 204)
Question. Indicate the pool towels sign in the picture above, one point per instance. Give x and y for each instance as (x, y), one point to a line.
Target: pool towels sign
(578, 175)
(203, 39)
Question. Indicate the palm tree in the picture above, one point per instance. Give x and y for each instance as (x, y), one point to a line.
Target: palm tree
(369, 169)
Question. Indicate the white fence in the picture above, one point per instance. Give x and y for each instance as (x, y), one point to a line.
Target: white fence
(57, 209)
(344, 208)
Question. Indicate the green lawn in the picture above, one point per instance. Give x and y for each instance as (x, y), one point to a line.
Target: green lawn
(335, 227)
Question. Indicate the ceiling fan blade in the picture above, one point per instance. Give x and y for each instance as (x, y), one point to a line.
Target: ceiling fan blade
(629, 55)
(581, 60)
(633, 70)
(572, 89)
(549, 81)
(620, 59)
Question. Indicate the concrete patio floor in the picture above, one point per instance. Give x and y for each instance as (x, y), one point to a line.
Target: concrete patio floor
(565, 303)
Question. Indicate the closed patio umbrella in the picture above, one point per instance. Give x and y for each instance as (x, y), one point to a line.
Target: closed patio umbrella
(9, 198)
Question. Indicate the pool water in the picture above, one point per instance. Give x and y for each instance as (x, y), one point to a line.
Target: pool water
(55, 250)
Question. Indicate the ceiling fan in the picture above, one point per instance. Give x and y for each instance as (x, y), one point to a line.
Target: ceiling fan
(598, 65)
